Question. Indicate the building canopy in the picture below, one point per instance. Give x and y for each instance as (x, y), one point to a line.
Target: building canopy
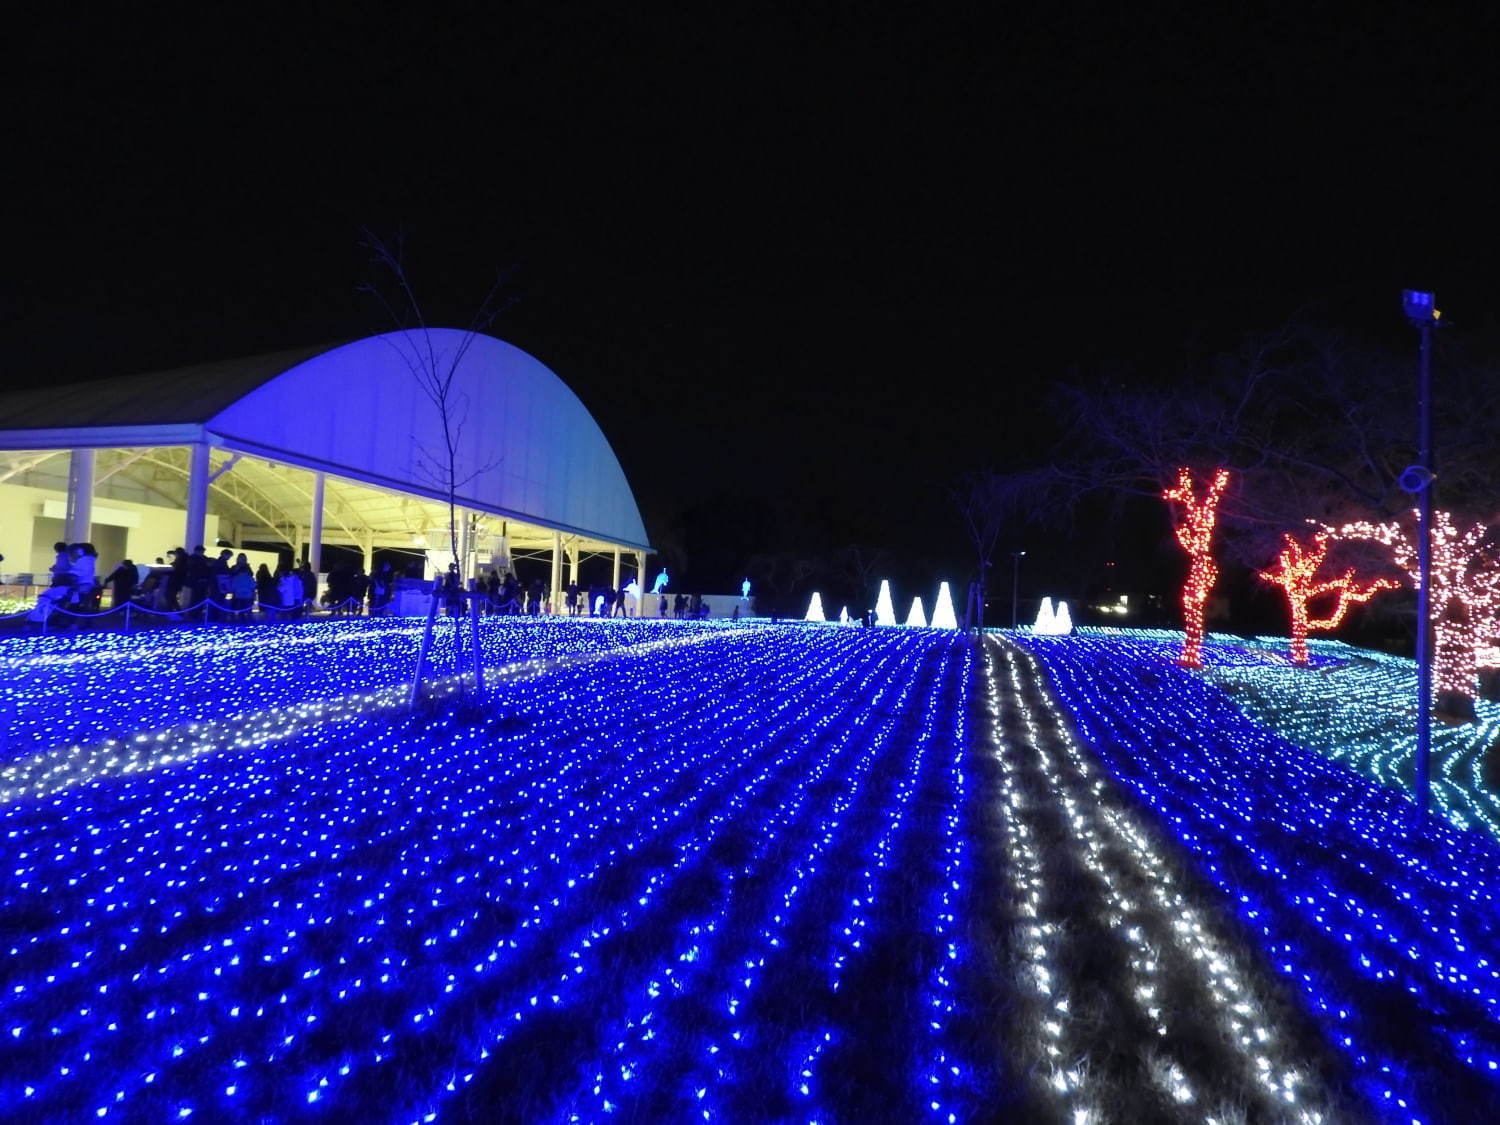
(527, 449)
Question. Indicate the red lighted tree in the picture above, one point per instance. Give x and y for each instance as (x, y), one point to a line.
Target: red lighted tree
(1195, 532)
(1298, 567)
(1464, 603)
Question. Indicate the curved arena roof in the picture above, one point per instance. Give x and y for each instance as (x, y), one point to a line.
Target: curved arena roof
(528, 449)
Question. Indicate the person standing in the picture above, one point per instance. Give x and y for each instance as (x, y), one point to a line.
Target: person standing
(241, 588)
(86, 580)
(309, 583)
(293, 593)
(200, 577)
(122, 583)
(265, 589)
(177, 580)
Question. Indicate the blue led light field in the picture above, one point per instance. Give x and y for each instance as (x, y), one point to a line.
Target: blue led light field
(1383, 919)
(674, 871)
(669, 872)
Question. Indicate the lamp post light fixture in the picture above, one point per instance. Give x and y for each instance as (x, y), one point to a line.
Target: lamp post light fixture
(1422, 311)
(1015, 585)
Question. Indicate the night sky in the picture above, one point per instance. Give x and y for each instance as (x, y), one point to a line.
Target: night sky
(825, 260)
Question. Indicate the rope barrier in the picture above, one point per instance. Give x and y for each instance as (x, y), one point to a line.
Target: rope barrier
(46, 608)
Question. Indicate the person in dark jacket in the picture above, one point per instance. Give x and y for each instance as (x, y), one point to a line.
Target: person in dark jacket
(177, 580)
(200, 576)
(309, 583)
(122, 582)
(265, 587)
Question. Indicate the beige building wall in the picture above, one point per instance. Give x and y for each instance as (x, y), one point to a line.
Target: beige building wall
(31, 521)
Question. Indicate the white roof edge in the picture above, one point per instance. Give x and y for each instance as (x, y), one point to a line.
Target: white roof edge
(102, 437)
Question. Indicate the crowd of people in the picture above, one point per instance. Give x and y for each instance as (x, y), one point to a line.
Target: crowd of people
(228, 588)
(182, 581)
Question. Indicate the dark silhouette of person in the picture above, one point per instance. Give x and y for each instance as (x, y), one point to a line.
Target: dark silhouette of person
(309, 582)
(177, 579)
(265, 587)
(200, 576)
(122, 583)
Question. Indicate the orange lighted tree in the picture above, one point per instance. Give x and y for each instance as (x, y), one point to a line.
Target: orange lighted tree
(1195, 532)
(1297, 568)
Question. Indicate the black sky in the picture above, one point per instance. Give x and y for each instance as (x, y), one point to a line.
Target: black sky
(777, 251)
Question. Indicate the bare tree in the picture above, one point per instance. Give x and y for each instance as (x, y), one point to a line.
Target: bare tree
(859, 563)
(1312, 427)
(434, 370)
(984, 500)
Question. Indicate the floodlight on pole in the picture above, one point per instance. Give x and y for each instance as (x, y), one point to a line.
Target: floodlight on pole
(1421, 309)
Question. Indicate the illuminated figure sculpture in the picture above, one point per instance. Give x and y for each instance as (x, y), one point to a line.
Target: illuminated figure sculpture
(1296, 568)
(1042, 626)
(1195, 532)
(815, 608)
(943, 616)
(1465, 599)
(844, 615)
(632, 598)
(745, 590)
(660, 583)
(1053, 622)
(1062, 620)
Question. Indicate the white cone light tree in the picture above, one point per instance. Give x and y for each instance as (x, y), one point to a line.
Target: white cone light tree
(815, 608)
(917, 618)
(943, 616)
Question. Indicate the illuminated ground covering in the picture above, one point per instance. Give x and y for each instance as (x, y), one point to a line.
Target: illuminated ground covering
(696, 873)
(1383, 919)
(1134, 1001)
(676, 871)
(1358, 707)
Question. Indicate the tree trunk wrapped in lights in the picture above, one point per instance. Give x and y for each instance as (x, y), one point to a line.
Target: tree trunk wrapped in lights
(1297, 567)
(1465, 599)
(1195, 532)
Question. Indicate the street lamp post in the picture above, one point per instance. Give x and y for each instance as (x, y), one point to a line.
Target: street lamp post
(1422, 312)
(1015, 585)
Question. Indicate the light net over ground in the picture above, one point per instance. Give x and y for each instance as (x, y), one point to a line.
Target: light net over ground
(676, 871)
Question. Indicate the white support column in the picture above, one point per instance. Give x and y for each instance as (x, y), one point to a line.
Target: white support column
(80, 513)
(640, 580)
(616, 586)
(197, 497)
(556, 569)
(315, 540)
(367, 546)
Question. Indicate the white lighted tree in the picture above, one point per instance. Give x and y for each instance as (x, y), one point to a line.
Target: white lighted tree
(1465, 598)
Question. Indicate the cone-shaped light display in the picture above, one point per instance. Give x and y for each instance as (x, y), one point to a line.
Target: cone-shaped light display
(815, 608)
(943, 616)
(885, 612)
(917, 618)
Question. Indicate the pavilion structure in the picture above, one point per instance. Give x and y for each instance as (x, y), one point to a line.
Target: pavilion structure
(323, 446)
